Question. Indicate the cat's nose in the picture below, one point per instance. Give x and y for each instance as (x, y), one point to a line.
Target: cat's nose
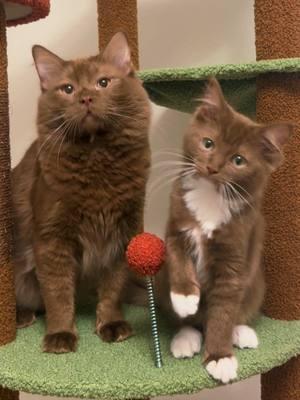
(87, 100)
(211, 170)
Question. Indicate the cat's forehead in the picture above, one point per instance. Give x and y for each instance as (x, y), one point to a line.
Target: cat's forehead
(87, 70)
(236, 129)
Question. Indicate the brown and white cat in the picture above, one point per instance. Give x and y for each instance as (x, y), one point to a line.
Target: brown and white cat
(78, 192)
(213, 279)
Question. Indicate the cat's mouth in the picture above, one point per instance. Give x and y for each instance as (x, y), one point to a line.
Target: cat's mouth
(89, 121)
(88, 114)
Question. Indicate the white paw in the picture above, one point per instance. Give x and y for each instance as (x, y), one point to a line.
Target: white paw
(244, 337)
(224, 370)
(185, 305)
(186, 342)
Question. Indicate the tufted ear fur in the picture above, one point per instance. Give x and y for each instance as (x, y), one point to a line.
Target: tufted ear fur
(211, 101)
(48, 65)
(117, 53)
(273, 138)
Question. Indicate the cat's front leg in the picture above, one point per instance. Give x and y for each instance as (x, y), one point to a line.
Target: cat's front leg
(110, 323)
(183, 282)
(223, 301)
(56, 266)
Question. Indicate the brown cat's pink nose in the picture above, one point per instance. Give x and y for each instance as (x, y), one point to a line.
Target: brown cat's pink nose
(211, 170)
(87, 100)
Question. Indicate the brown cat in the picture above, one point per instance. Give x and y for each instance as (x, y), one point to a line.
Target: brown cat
(213, 279)
(79, 191)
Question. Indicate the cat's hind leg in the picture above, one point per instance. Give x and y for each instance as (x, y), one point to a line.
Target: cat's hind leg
(28, 295)
(244, 337)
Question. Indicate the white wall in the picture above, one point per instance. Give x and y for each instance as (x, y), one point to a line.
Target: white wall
(171, 33)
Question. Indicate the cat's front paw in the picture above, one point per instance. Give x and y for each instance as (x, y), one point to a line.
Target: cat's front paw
(184, 305)
(223, 369)
(186, 343)
(60, 342)
(114, 331)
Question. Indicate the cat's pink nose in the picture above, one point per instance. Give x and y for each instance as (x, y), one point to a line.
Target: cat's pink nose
(87, 100)
(211, 170)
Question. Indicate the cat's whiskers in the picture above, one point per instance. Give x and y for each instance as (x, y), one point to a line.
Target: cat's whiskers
(66, 131)
(50, 138)
(234, 206)
(239, 195)
(170, 163)
(113, 113)
(70, 126)
(240, 187)
(54, 119)
(168, 178)
(167, 173)
(169, 181)
(55, 136)
(174, 154)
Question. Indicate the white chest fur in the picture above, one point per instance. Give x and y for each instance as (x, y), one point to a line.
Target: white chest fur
(206, 204)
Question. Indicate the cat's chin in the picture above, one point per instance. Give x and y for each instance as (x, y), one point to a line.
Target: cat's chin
(90, 123)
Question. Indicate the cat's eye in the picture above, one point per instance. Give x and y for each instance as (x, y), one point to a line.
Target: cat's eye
(238, 160)
(208, 143)
(69, 89)
(103, 82)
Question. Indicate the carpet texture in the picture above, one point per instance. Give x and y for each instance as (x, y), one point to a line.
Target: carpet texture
(126, 370)
(7, 296)
(119, 15)
(179, 88)
(7, 301)
(39, 9)
(277, 32)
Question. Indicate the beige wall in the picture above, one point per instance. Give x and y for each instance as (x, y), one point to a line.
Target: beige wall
(172, 33)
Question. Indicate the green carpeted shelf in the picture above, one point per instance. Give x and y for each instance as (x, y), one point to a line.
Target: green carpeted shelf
(178, 88)
(126, 370)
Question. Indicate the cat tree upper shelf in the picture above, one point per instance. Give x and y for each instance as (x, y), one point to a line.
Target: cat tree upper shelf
(126, 370)
(179, 88)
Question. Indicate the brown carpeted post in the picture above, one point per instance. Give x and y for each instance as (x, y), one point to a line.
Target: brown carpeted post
(6, 394)
(7, 297)
(278, 98)
(119, 15)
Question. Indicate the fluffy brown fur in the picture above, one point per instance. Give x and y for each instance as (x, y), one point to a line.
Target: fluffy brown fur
(79, 192)
(213, 278)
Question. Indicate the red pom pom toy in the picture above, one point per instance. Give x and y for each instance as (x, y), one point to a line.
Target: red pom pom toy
(145, 254)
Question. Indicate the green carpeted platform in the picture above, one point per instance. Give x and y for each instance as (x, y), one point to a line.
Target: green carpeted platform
(126, 370)
(178, 88)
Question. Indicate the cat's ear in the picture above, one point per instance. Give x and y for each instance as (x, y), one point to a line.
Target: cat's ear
(212, 100)
(273, 139)
(48, 65)
(117, 53)
(213, 93)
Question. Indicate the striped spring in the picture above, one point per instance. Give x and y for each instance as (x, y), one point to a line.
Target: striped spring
(154, 328)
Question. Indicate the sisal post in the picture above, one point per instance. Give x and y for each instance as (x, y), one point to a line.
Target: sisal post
(278, 98)
(119, 15)
(115, 16)
(7, 295)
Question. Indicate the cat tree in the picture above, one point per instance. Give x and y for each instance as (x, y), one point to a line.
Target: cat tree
(126, 370)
